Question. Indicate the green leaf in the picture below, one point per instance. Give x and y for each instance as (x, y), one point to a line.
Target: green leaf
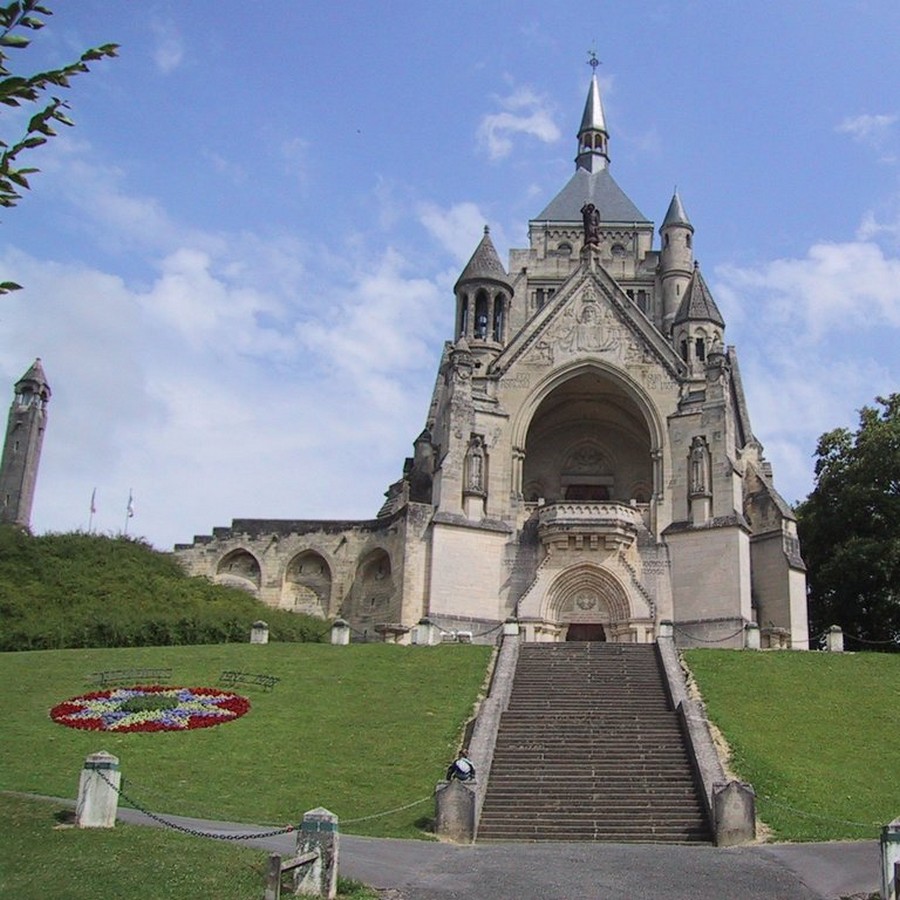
(14, 40)
(7, 286)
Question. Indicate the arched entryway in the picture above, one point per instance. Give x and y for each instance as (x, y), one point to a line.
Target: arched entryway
(584, 631)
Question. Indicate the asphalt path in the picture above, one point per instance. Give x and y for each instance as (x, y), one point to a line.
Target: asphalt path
(424, 870)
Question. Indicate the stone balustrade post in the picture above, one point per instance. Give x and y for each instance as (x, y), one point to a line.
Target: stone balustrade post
(98, 791)
(340, 632)
(426, 633)
(259, 632)
(666, 629)
(511, 627)
(834, 639)
(318, 831)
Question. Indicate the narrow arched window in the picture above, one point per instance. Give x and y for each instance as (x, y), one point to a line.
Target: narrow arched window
(481, 315)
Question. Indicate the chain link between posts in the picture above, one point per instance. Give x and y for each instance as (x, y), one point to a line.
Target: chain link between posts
(701, 640)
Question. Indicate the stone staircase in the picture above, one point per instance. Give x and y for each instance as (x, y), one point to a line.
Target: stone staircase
(591, 750)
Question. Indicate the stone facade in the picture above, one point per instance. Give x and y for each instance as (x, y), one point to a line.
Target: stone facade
(587, 463)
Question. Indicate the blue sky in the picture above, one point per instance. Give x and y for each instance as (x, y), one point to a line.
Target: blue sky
(239, 263)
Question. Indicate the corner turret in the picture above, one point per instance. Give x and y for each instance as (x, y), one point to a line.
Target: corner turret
(483, 296)
(593, 138)
(676, 260)
(698, 325)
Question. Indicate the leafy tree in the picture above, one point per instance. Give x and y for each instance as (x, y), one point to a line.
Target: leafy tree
(20, 90)
(850, 527)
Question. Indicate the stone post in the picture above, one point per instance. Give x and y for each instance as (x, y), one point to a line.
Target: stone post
(454, 811)
(751, 636)
(98, 791)
(340, 632)
(511, 627)
(734, 813)
(259, 632)
(666, 629)
(834, 639)
(890, 860)
(426, 633)
(318, 831)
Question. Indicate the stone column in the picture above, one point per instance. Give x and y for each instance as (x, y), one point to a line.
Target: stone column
(318, 831)
(835, 640)
(340, 632)
(751, 636)
(98, 791)
(259, 633)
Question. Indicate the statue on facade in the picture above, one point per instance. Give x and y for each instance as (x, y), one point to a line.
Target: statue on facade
(590, 216)
(699, 481)
(475, 465)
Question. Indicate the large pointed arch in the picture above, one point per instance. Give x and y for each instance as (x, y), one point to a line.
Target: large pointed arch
(587, 593)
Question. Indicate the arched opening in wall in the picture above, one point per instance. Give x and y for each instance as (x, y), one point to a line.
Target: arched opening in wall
(588, 441)
(584, 631)
(589, 602)
(307, 584)
(371, 599)
(239, 569)
(499, 314)
(481, 315)
(463, 316)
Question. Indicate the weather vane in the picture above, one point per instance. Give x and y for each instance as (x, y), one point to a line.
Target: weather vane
(593, 62)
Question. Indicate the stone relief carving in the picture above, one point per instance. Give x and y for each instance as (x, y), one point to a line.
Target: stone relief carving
(595, 330)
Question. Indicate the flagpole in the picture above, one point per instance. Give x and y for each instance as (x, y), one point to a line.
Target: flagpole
(93, 510)
(129, 510)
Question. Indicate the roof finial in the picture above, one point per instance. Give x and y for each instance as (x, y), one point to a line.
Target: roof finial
(593, 62)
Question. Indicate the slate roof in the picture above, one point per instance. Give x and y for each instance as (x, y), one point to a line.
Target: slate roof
(485, 263)
(35, 375)
(698, 304)
(600, 189)
(675, 215)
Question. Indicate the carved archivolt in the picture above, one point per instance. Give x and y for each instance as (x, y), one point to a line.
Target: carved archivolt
(587, 593)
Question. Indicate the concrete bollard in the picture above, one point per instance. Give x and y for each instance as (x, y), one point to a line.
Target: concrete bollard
(340, 632)
(259, 632)
(890, 860)
(98, 791)
(751, 636)
(454, 811)
(834, 639)
(318, 831)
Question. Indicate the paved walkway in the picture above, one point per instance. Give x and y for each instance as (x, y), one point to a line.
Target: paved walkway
(423, 870)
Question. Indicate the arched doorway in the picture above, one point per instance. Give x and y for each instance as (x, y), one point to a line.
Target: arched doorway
(585, 631)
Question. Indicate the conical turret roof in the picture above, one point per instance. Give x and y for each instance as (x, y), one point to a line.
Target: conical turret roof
(35, 379)
(485, 264)
(675, 215)
(698, 304)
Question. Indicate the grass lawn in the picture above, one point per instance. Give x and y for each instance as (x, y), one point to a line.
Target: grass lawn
(42, 857)
(359, 730)
(815, 733)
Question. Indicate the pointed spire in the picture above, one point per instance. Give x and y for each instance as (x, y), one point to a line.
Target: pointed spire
(593, 138)
(485, 263)
(676, 215)
(34, 380)
(698, 304)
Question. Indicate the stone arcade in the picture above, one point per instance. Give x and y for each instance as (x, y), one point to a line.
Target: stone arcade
(587, 464)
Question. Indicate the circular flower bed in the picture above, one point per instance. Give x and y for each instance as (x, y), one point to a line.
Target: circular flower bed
(152, 708)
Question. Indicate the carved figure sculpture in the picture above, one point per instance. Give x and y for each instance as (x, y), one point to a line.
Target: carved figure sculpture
(699, 466)
(590, 216)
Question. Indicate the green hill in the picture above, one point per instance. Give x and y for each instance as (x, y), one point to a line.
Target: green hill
(85, 590)
(815, 733)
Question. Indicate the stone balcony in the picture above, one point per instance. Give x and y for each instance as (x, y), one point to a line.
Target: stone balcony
(584, 525)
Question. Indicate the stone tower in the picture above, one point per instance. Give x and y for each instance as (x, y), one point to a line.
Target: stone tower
(22, 449)
(587, 463)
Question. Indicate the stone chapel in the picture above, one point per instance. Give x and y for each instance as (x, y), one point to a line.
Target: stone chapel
(587, 464)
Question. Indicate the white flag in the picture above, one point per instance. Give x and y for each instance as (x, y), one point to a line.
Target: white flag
(130, 508)
(93, 501)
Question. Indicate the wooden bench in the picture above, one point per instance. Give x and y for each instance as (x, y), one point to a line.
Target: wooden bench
(231, 679)
(112, 677)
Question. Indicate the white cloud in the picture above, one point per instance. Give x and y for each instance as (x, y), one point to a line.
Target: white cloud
(458, 229)
(524, 112)
(867, 127)
(168, 47)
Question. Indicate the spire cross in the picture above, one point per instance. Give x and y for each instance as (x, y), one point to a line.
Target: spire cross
(593, 62)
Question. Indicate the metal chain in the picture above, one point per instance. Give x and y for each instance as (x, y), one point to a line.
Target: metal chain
(708, 640)
(196, 832)
(385, 813)
(808, 815)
